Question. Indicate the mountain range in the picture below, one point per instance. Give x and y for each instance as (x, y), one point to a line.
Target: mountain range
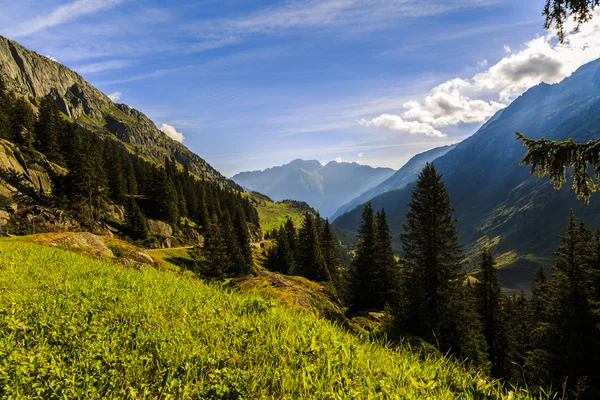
(405, 175)
(36, 76)
(323, 187)
(497, 202)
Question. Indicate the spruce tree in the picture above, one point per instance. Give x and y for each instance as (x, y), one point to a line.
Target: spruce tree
(135, 221)
(281, 257)
(436, 303)
(385, 266)
(21, 123)
(212, 259)
(46, 130)
(331, 256)
(573, 315)
(364, 279)
(309, 260)
(243, 238)
(535, 346)
(236, 263)
(493, 316)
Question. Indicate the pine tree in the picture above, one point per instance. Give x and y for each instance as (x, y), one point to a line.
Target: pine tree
(493, 316)
(309, 260)
(243, 238)
(573, 314)
(135, 220)
(281, 257)
(436, 303)
(21, 123)
(212, 258)
(535, 346)
(46, 130)
(165, 198)
(331, 256)
(364, 280)
(236, 262)
(385, 265)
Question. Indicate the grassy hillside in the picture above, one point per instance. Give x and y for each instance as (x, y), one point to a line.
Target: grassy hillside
(274, 214)
(75, 327)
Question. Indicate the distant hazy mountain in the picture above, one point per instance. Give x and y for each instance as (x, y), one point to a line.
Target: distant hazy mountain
(497, 201)
(325, 188)
(400, 179)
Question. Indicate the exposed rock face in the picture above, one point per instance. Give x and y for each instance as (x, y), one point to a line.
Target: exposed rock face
(37, 76)
(31, 173)
(160, 228)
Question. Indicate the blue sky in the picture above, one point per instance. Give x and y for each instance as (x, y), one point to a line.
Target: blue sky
(252, 84)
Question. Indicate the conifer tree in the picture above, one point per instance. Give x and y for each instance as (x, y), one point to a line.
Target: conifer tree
(385, 266)
(235, 263)
(243, 238)
(46, 130)
(493, 316)
(292, 235)
(437, 305)
(135, 220)
(212, 258)
(331, 256)
(165, 198)
(281, 258)
(309, 260)
(21, 123)
(573, 316)
(535, 346)
(364, 279)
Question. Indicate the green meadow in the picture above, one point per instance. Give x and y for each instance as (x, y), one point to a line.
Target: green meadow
(75, 327)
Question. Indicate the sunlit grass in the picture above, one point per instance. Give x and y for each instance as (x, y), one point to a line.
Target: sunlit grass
(74, 327)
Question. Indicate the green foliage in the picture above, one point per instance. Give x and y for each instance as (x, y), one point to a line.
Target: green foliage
(436, 305)
(331, 256)
(74, 327)
(494, 320)
(552, 159)
(135, 220)
(557, 12)
(309, 259)
(364, 280)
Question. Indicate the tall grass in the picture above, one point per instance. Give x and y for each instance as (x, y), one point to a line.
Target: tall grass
(74, 327)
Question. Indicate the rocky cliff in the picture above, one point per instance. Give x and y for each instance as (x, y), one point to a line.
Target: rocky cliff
(36, 76)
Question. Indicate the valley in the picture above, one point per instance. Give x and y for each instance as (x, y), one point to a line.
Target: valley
(435, 236)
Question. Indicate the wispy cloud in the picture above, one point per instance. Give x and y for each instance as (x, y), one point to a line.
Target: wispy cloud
(65, 13)
(217, 64)
(102, 66)
(475, 99)
(321, 15)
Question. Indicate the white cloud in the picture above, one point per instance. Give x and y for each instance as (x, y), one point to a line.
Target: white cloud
(361, 154)
(102, 66)
(331, 14)
(475, 99)
(52, 58)
(171, 132)
(338, 159)
(482, 64)
(395, 122)
(507, 49)
(116, 96)
(65, 13)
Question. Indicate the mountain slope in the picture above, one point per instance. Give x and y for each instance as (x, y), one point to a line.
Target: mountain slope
(322, 187)
(497, 202)
(74, 326)
(36, 76)
(401, 178)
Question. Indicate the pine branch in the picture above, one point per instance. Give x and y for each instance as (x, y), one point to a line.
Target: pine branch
(553, 159)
